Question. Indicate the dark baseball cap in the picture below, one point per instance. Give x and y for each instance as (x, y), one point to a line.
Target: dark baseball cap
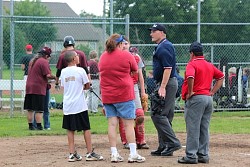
(159, 27)
(196, 47)
(45, 51)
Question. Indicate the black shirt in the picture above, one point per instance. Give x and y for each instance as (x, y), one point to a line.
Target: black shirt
(25, 60)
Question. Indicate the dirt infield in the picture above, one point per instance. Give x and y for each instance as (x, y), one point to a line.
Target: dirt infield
(225, 151)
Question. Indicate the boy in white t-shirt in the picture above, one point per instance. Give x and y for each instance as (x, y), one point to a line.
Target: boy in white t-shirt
(75, 111)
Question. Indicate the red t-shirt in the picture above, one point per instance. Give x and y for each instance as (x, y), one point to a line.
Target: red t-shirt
(37, 79)
(203, 73)
(135, 77)
(115, 76)
(61, 63)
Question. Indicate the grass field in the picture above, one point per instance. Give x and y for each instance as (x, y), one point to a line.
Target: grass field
(221, 122)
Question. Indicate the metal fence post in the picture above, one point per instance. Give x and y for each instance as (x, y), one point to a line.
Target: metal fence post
(111, 17)
(199, 21)
(127, 25)
(1, 46)
(12, 49)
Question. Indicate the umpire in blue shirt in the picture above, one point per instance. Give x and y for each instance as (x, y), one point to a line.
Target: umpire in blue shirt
(163, 98)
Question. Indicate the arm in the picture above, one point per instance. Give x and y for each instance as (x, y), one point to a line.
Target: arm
(86, 86)
(190, 81)
(141, 82)
(217, 86)
(50, 76)
(164, 82)
(58, 74)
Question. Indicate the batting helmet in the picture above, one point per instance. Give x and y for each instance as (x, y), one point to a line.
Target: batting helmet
(45, 51)
(133, 50)
(68, 41)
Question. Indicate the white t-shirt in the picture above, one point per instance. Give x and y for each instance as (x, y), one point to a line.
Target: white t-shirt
(73, 79)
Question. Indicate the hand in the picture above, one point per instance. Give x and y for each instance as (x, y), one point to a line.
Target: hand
(103, 111)
(57, 87)
(188, 96)
(162, 92)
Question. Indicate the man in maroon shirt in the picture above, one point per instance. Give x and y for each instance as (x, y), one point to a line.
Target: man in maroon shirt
(69, 44)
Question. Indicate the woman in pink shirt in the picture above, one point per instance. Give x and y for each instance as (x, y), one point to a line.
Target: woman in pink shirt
(117, 88)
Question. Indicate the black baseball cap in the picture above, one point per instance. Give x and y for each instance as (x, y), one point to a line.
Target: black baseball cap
(159, 27)
(196, 47)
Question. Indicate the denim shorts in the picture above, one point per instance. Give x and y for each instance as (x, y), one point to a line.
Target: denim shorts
(125, 110)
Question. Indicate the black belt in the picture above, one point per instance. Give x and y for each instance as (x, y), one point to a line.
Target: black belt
(157, 82)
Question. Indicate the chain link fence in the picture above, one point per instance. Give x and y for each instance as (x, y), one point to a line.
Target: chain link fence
(91, 34)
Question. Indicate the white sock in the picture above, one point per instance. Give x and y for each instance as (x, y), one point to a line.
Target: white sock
(132, 147)
(113, 150)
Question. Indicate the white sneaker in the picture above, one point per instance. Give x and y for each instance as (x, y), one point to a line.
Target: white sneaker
(136, 158)
(116, 158)
(71, 158)
(77, 156)
(74, 157)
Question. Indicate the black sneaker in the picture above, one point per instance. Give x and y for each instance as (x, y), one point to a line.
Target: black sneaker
(77, 156)
(32, 128)
(93, 157)
(142, 146)
(39, 128)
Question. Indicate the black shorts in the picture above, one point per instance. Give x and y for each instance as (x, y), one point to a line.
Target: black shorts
(77, 122)
(34, 102)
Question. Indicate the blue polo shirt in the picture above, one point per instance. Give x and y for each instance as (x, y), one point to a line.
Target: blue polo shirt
(164, 57)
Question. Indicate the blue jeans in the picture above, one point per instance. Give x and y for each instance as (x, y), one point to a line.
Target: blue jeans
(46, 120)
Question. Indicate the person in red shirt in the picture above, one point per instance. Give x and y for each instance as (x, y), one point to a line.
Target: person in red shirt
(117, 90)
(197, 92)
(139, 121)
(36, 86)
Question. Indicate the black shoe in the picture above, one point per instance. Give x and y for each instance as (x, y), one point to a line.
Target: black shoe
(32, 128)
(184, 160)
(157, 152)
(203, 160)
(168, 151)
(39, 128)
(142, 146)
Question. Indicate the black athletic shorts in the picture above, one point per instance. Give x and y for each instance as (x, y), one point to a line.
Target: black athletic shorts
(77, 122)
(34, 102)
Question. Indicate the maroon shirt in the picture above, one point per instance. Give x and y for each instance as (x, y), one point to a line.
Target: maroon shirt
(37, 79)
(82, 58)
(93, 69)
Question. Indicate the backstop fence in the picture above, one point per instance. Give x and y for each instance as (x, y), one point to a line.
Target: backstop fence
(90, 34)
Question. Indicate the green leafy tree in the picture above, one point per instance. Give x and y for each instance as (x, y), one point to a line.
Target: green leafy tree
(158, 11)
(33, 33)
(36, 34)
(19, 41)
